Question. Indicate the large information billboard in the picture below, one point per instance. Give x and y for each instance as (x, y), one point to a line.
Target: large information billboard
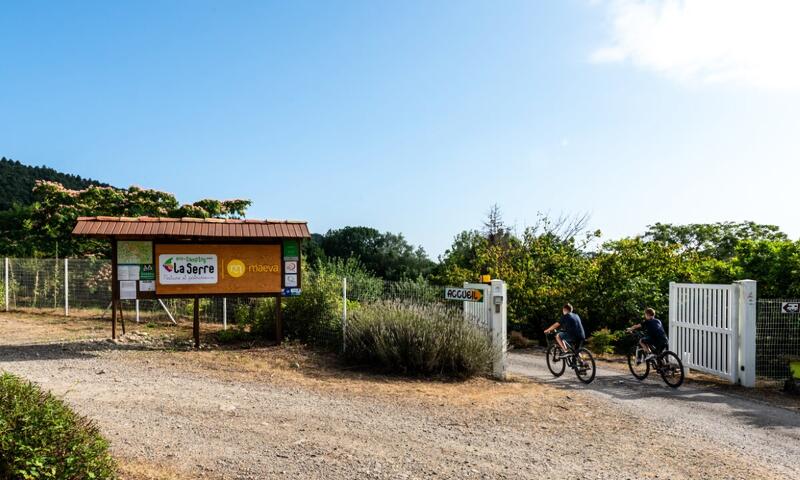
(198, 269)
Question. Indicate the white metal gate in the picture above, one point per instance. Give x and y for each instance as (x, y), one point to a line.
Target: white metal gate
(479, 313)
(704, 327)
(713, 328)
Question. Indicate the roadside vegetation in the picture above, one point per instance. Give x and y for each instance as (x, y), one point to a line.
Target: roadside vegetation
(41, 438)
(610, 281)
(417, 340)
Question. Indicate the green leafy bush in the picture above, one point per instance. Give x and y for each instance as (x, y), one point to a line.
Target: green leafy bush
(41, 438)
(417, 339)
(315, 316)
(604, 341)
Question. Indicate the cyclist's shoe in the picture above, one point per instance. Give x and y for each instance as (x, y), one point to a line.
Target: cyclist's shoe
(649, 357)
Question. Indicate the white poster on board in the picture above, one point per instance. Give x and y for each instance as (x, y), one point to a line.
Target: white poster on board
(127, 290)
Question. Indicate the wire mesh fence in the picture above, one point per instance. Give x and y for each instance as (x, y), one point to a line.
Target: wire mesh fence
(82, 287)
(777, 338)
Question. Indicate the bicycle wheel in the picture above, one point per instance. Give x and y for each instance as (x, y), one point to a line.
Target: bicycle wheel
(554, 364)
(640, 371)
(584, 366)
(671, 369)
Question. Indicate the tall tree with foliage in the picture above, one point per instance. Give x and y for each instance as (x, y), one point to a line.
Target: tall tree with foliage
(47, 225)
(385, 254)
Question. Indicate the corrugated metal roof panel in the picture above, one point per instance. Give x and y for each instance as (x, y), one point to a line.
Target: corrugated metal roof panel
(188, 227)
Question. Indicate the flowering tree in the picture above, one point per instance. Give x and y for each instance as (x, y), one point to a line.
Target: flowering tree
(44, 229)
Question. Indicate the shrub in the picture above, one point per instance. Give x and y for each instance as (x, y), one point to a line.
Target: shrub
(604, 341)
(41, 438)
(315, 316)
(413, 339)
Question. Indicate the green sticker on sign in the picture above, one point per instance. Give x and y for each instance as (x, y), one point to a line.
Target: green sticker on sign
(147, 272)
(290, 250)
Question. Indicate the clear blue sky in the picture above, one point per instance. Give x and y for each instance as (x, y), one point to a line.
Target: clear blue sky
(415, 117)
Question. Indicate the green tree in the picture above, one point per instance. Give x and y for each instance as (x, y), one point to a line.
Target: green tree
(715, 240)
(386, 255)
(47, 224)
(774, 264)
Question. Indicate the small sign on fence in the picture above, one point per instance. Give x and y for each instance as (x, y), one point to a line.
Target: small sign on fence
(463, 294)
(790, 307)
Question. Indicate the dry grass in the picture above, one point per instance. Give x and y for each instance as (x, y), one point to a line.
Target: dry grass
(131, 469)
(18, 328)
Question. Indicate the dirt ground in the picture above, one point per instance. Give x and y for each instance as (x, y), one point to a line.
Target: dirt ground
(289, 412)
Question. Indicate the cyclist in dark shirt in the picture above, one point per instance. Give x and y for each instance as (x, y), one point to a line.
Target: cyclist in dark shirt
(654, 334)
(571, 326)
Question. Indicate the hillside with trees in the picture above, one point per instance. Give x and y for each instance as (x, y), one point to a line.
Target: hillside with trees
(17, 181)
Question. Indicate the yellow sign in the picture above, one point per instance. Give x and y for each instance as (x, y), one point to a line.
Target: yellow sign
(236, 268)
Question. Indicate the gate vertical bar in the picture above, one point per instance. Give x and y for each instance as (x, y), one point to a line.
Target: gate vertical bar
(673, 314)
(66, 287)
(344, 314)
(733, 338)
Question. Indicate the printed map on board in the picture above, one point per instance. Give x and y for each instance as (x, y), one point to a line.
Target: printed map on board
(134, 253)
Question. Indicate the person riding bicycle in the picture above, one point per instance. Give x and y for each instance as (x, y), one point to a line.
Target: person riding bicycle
(572, 329)
(654, 334)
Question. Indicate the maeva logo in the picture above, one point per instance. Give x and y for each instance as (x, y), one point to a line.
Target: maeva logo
(236, 268)
(168, 265)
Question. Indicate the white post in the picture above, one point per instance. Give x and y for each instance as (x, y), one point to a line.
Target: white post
(499, 306)
(5, 284)
(224, 313)
(747, 332)
(66, 287)
(167, 310)
(344, 313)
(137, 310)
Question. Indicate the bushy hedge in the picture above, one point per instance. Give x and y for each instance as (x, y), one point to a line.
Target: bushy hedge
(41, 438)
(417, 340)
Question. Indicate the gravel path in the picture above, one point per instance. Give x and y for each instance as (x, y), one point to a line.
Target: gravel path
(201, 416)
(752, 429)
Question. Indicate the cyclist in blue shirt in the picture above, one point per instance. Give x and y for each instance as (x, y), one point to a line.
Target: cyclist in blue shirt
(571, 329)
(654, 334)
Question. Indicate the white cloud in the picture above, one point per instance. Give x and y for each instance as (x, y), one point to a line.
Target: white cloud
(753, 43)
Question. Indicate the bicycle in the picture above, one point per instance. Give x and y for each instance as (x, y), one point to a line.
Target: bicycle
(580, 360)
(665, 362)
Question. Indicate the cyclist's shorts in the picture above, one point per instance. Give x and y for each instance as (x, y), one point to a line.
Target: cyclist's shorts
(568, 338)
(659, 344)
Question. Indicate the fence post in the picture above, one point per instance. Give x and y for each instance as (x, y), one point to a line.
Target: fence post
(747, 332)
(66, 287)
(5, 284)
(224, 313)
(344, 313)
(137, 310)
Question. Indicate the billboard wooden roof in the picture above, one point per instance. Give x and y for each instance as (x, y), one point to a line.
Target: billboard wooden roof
(198, 228)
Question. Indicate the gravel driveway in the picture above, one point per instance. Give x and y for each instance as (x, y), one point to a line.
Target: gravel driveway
(253, 414)
(751, 428)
